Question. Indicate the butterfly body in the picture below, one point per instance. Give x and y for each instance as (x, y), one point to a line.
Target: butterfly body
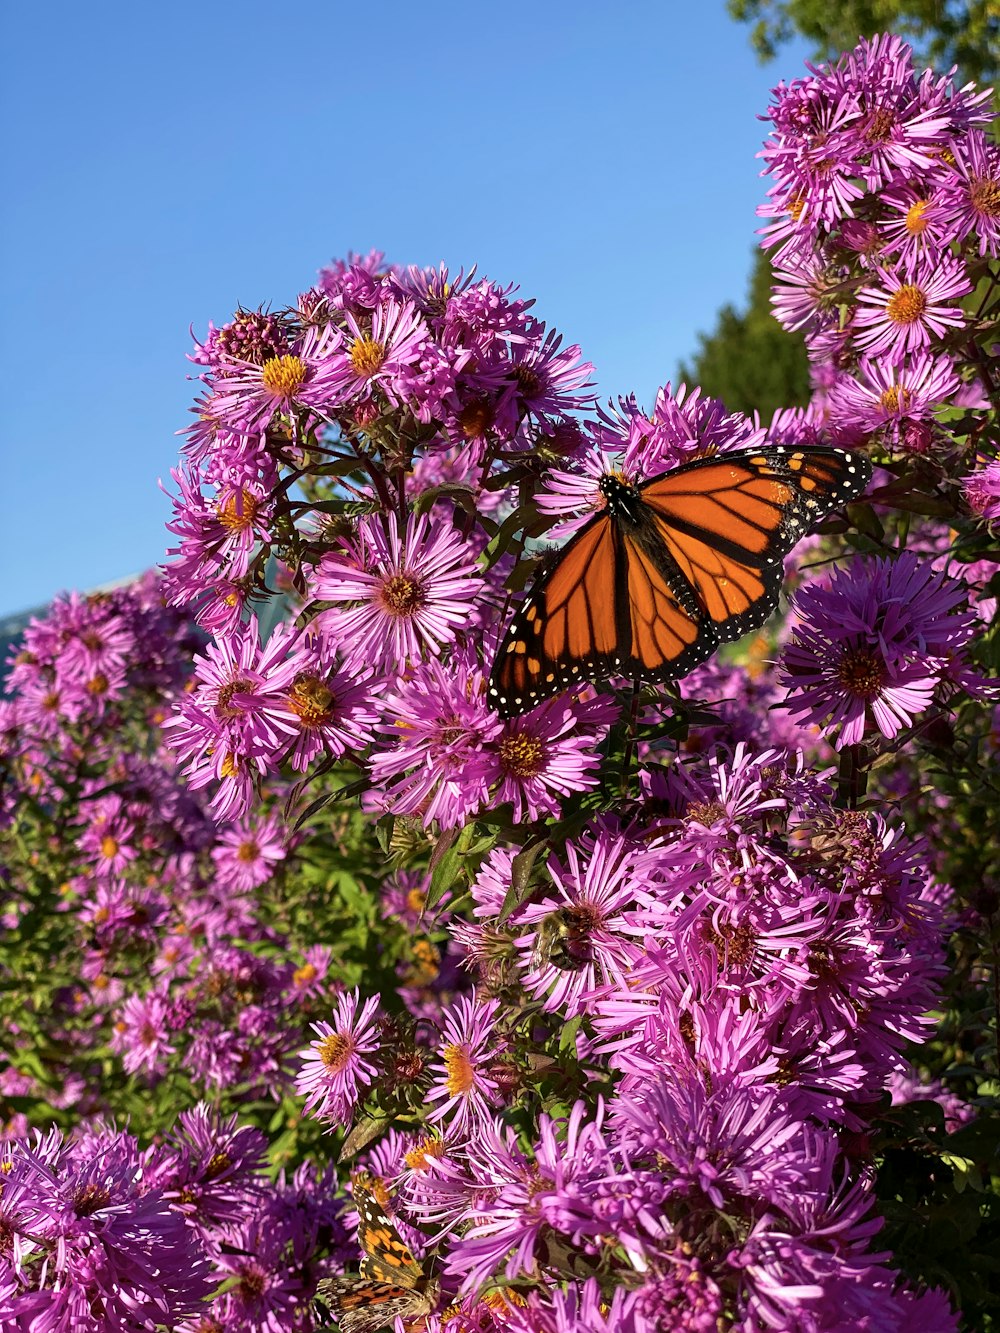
(668, 570)
(390, 1283)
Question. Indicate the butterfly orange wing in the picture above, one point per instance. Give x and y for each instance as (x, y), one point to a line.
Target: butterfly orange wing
(694, 562)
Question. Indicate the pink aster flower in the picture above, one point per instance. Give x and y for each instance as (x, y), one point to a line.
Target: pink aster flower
(547, 381)
(383, 353)
(332, 709)
(579, 939)
(903, 313)
(888, 396)
(977, 205)
(919, 223)
(548, 754)
(246, 853)
(141, 1034)
(313, 374)
(335, 1069)
(874, 645)
(235, 723)
(462, 1082)
(397, 596)
(982, 491)
(435, 761)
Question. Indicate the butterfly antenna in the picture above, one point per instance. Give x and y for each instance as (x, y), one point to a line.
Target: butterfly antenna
(633, 726)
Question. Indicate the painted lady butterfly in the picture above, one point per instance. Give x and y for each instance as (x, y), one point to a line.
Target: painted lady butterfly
(390, 1282)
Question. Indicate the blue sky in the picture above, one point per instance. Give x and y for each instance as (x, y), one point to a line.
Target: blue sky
(173, 161)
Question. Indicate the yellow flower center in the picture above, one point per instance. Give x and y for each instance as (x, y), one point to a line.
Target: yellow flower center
(476, 418)
(907, 305)
(401, 595)
(238, 512)
(896, 398)
(427, 1150)
(230, 766)
(415, 900)
(311, 700)
(98, 684)
(522, 756)
(461, 1071)
(862, 672)
(796, 207)
(220, 1161)
(109, 846)
(367, 357)
(284, 376)
(916, 222)
(336, 1050)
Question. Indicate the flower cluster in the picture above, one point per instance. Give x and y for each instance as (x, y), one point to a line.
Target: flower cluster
(885, 211)
(601, 1008)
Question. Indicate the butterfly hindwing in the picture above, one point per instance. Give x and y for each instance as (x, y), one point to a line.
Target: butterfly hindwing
(391, 1281)
(670, 569)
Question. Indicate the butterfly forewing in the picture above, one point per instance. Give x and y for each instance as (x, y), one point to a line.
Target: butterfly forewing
(669, 570)
(391, 1281)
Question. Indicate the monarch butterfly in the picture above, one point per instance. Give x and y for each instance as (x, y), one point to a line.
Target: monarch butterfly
(669, 569)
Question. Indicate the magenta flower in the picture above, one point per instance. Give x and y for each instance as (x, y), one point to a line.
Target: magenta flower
(142, 1034)
(314, 374)
(384, 353)
(982, 491)
(331, 709)
(335, 1070)
(873, 646)
(903, 313)
(246, 853)
(462, 1082)
(890, 396)
(436, 761)
(977, 206)
(547, 754)
(397, 596)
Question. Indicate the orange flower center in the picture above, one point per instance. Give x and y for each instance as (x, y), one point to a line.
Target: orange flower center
(427, 1150)
(238, 512)
(109, 846)
(401, 595)
(248, 851)
(461, 1071)
(522, 756)
(916, 222)
(907, 305)
(240, 686)
(985, 196)
(303, 975)
(336, 1050)
(896, 398)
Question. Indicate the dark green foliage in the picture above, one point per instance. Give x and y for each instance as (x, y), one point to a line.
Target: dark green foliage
(749, 361)
(965, 33)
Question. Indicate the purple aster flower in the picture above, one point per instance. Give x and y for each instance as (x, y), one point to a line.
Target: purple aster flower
(335, 1068)
(209, 1168)
(436, 762)
(462, 1082)
(314, 373)
(142, 1034)
(331, 708)
(890, 397)
(579, 940)
(247, 852)
(236, 722)
(977, 204)
(383, 350)
(903, 313)
(982, 491)
(874, 644)
(397, 596)
(548, 754)
(920, 222)
(219, 535)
